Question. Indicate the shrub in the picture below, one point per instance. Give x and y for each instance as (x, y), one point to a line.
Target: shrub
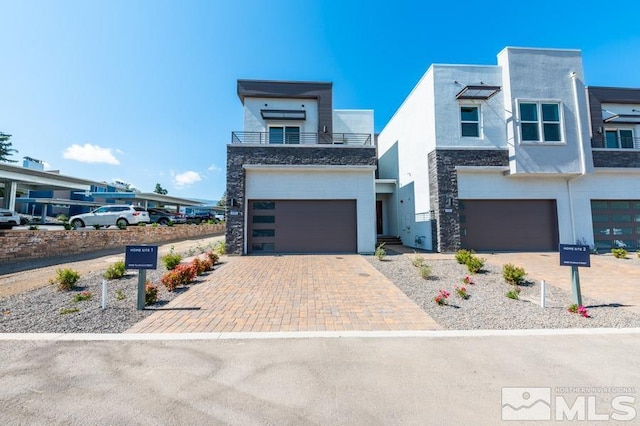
(424, 271)
(580, 310)
(220, 248)
(514, 293)
(213, 257)
(65, 311)
(120, 295)
(380, 252)
(62, 218)
(85, 295)
(512, 274)
(442, 296)
(65, 279)
(467, 280)
(171, 259)
(150, 293)
(67, 226)
(417, 261)
(207, 263)
(96, 226)
(155, 225)
(462, 292)
(199, 265)
(116, 270)
(33, 227)
(121, 225)
(181, 275)
(462, 256)
(619, 253)
(474, 264)
(142, 224)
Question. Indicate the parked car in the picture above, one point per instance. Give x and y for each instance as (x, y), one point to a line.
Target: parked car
(8, 219)
(114, 214)
(164, 216)
(199, 217)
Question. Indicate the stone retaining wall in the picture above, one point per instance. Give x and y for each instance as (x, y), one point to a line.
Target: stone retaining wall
(21, 245)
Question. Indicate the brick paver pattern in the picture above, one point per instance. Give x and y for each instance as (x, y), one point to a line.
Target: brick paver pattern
(290, 293)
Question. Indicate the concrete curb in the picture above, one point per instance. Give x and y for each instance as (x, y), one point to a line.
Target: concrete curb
(312, 334)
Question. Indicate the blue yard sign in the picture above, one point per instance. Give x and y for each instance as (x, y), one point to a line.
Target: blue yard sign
(141, 257)
(574, 255)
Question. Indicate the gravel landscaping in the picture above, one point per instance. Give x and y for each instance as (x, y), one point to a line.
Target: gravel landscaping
(42, 310)
(487, 306)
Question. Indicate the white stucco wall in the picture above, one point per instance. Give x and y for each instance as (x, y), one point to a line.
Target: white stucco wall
(545, 75)
(253, 121)
(354, 121)
(320, 183)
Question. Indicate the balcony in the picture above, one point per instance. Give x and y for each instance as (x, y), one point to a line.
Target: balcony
(297, 138)
(611, 141)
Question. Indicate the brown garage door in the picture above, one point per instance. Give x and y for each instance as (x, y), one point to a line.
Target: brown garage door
(509, 225)
(302, 226)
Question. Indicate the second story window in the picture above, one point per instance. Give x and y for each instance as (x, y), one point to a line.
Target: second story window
(540, 122)
(470, 121)
(284, 134)
(619, 138)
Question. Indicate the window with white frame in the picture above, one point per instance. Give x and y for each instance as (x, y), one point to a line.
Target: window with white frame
(284, 134)
(470, 121)
(540, 122)
(618, 138)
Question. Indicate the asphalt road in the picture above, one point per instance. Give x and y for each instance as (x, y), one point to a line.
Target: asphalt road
(452, 378)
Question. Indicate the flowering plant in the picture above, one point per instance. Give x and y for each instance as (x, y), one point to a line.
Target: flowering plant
(441, 298)
(467, 280)
(580, 310)
(462, 292)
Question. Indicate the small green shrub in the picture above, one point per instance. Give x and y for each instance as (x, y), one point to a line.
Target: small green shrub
(170, 223)
(65, 311)
(33, 227)
(142, 224)
(116, 270)
(424, 271)
(62, 218)
(380, 252)
(171, 259)
(619, 253)
(120, 294)
(85, 295)
(191, 252)
(121, 225)
(474, 264)
(220, 248)
(462, 256)
(155, 225)
(65, 279)
(67, 226)
(514, 293)
(150, 293)
(512, 274)
(96, 226)
(417, 261)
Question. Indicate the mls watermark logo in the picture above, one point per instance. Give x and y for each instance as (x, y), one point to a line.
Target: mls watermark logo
(526, 403)
(569, 403)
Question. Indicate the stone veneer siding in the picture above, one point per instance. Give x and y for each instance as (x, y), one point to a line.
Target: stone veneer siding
(443, 186)
(623, 159)
(239, 155)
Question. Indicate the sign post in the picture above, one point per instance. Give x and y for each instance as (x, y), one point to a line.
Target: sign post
(141, 258)
(575, 255)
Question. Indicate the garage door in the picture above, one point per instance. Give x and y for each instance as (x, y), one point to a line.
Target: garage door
(302, 226)
(509, 225)
(616, 224)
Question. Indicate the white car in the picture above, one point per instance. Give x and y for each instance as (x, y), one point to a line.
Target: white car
(115, 214)
(8, 219)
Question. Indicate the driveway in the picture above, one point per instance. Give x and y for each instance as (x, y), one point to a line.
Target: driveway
(290, 293)
(609, 280)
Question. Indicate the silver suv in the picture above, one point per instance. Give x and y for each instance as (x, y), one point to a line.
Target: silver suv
(8, 219)
(115, 214)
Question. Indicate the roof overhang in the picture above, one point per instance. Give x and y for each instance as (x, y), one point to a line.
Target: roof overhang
(39, 180)
(143, 196)
(623, 118)
(477, 92)
(283, 114)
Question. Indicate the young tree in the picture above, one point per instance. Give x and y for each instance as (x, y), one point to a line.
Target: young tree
(160, 190)
(5, 148)
(223, 200)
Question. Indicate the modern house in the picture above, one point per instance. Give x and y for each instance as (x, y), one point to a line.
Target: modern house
(300, 175)
(513, 156)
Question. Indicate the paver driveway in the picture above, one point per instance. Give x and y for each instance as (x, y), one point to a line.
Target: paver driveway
(290, 293)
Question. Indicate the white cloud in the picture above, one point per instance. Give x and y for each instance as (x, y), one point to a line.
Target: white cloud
(186, 178)
(214, 168)
(88, 153)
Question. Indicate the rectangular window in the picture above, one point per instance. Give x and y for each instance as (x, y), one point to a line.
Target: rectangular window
(540, 122)
(618, 138)
(257, 233)
(264, 205)
(601, 218)
(470, 121)
(264, 219)
(263, 247)
(284, 134)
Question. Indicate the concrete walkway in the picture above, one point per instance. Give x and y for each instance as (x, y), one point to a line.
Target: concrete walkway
(609, 280)
(290, 293)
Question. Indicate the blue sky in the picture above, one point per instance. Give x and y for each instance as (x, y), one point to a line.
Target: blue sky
(145, 91)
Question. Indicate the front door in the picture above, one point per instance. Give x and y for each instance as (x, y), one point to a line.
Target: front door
(379, 228)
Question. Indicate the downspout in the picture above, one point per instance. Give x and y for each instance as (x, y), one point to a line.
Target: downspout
(583, 164)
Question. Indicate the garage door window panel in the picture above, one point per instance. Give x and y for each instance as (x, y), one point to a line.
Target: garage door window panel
(261, 233)
(264, 219)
